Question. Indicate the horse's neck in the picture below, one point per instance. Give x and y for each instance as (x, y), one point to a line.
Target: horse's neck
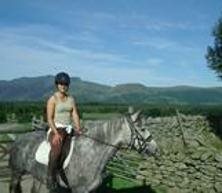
(93, 151)
(114, 132)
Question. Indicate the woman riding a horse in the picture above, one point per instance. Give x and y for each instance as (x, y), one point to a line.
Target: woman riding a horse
(61, 113)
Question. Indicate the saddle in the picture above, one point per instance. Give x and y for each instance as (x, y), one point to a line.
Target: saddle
(42, 153)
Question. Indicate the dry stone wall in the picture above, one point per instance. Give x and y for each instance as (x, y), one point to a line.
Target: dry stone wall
(191, 155)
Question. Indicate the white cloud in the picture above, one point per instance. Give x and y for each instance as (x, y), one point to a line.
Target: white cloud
(157, 43)
(169, 46)
(152, 62)
(24, 38)
(39, 55)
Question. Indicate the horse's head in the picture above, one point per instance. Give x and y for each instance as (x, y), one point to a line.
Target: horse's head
(141, 138)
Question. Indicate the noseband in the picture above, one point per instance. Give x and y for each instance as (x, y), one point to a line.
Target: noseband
(136, 136)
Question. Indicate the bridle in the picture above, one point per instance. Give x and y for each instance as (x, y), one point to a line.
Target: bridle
(135, 136)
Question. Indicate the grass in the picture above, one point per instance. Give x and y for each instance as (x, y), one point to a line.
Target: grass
(124, 186)
(4, 138)
(120, 183)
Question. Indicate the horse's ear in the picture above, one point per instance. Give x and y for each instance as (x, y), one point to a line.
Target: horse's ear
(135, 116)
(130, 110)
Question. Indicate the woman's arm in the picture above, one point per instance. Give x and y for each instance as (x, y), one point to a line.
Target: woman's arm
(50, 114)
(57, 139)
(75, 116)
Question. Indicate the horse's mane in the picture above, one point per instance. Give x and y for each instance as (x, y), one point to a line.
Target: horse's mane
(106, 129)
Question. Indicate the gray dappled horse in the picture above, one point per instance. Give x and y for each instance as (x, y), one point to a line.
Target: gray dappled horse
(91, 153)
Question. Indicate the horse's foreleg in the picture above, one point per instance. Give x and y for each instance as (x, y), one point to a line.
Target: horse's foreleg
(15, 183)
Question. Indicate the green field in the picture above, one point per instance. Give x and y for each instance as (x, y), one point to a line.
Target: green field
(124, 186)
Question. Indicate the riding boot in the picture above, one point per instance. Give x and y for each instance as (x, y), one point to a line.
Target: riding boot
(54, 162)
(52, 182)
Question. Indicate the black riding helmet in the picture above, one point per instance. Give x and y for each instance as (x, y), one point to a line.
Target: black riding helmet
(62, 78)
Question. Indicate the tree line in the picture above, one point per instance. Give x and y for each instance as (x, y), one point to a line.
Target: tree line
(24, 111)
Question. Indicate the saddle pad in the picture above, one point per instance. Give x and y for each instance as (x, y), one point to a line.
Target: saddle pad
(42, 153)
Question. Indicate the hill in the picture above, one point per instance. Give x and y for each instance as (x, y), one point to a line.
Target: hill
(40, 88)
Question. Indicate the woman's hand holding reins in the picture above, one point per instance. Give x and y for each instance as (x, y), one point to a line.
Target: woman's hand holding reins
(57, 139)
(78, 132)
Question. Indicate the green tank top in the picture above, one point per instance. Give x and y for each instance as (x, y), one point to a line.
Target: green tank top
(63, 110)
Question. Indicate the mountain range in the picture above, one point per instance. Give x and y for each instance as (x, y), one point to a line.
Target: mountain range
(40, 88)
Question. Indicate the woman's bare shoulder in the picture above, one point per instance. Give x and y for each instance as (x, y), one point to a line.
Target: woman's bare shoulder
(52, 99)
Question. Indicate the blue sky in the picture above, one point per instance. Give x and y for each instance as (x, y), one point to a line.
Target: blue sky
(153, 42)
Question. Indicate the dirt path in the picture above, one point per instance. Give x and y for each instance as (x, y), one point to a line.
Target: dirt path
(26, 185)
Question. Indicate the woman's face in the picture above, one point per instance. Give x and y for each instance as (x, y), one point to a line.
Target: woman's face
(63, 88)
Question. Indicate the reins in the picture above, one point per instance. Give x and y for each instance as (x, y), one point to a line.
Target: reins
(135, 135)
(102, 142)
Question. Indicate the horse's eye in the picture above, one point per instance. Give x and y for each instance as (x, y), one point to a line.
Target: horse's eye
(143, 129)
(138, 124)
